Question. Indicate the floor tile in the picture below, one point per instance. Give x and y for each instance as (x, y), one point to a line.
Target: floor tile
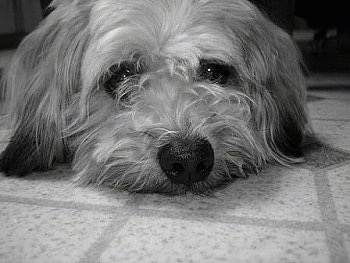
(41, 234)
(319, 155)
(332, 132)
(164, 240)
(57, 185)
(279, 194)
(330, 109)
(339, 180)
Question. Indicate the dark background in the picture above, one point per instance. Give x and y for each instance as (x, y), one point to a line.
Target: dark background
(320, 27)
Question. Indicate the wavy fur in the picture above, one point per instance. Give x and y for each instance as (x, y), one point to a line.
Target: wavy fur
(60, 110)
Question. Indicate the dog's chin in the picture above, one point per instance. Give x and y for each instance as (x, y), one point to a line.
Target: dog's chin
(208, 187)
(200, 188)
(162, 185)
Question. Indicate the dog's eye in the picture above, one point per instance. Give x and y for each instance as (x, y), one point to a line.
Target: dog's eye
(117, 74)
(214, 72)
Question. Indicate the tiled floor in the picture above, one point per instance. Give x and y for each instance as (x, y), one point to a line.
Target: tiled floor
(298, 214)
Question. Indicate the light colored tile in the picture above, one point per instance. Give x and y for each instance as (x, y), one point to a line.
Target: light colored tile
(329, 109)
(57, 185)
(42, 234)
(164, 240)
(335, 133)
(279, 193)
(339, 180)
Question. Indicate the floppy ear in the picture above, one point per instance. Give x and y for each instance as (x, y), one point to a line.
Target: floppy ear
(278, 90)
(287, 87)
(39, 81)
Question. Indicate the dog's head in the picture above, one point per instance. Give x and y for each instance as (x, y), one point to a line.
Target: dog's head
(164, 95)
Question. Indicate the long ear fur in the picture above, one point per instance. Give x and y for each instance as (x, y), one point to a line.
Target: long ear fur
(286, 89)
(277, 86)
(286, 85)
(41, 78)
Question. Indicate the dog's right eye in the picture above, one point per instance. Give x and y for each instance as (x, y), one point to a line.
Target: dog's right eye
(118, 74)
(214, 72)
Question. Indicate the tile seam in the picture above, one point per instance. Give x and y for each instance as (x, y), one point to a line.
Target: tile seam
(332, 227)
(96, 250)
(109, 209)
(134, 210)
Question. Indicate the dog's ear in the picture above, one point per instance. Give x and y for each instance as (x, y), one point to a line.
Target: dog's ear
(39, 81)
(287, 87)
(275, 69)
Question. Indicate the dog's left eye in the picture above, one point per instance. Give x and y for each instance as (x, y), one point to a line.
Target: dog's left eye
(117, 74)
(214, 72)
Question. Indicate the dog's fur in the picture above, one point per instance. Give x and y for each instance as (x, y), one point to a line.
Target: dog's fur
(62, 110)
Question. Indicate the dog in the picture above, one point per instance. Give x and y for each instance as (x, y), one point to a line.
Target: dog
(166, 96)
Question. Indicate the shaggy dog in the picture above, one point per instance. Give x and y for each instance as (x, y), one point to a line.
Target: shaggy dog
(155, 95)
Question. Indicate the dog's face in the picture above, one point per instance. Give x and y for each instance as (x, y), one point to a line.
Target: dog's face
(163, 96)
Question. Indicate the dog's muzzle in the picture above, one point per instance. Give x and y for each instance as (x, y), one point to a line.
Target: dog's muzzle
(186, 161)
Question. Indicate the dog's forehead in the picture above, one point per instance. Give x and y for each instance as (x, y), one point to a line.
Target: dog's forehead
(171, 28)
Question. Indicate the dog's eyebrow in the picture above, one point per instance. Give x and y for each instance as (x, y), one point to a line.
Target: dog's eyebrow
(213, 60)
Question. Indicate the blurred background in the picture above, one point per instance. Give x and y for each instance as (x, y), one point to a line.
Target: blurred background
(320, 27)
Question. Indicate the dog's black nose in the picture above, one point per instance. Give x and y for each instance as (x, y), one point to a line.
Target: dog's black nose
(186, 161)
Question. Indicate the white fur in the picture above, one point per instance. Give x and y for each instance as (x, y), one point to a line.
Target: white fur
(56, 99)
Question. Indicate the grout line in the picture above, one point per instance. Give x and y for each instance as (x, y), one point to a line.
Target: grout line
(332, 228)
(131, 209)
(60, 204)
(95, 251)
(228, 219)
(110, 232)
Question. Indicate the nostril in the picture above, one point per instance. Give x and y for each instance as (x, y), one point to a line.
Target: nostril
(176, 169)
